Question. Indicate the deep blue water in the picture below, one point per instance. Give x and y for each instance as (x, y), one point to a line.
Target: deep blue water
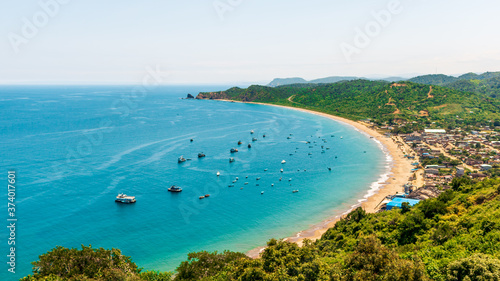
(74, 148)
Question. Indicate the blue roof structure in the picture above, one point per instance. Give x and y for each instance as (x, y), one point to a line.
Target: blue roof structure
(397, 202)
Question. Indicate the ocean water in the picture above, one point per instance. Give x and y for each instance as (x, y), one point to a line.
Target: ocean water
(74, 148)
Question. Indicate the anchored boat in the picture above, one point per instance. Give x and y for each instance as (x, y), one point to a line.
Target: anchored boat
(181, 159)
(123, 198)
(174, 188)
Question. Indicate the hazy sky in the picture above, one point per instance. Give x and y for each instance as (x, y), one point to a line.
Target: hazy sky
(231, 41)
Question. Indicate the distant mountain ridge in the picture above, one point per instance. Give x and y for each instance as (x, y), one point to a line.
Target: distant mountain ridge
(327, 80)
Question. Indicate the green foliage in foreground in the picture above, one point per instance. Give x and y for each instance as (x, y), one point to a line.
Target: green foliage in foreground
(89, 264)
(453, 237)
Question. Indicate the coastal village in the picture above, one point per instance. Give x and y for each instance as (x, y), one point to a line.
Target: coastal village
(438, 156)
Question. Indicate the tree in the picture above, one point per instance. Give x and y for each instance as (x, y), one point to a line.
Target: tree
(87, 263)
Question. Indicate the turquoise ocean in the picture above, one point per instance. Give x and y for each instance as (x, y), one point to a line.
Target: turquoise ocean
(74, 148)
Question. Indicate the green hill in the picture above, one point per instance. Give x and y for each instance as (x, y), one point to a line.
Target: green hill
(486, 83)
(379, 100)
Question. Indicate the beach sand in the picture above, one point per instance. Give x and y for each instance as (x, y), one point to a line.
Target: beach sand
(399, 175)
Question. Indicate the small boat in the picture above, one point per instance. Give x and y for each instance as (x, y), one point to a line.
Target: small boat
(288, 138)
(174, 188)
(237, 178)
(181, 159)
(231, 160)
(201, 155)
(207, 195)
(258, 178)
(341, 137)
(257, 185)
(262, 192)
(191, 140)
(233, 150)
(290, 179)
(295, 191)
(251, 132)
(254, 139)
(246, 183)
(201, 197)
(281, 170)
(234, 181)
(123, 198)
(239, 142)
(329, 169)
(265, 170)
(231, 185)
(249, 146)
(309, 153)
(263, 136)
(281, 178)
(272, 184)
(218, 173)
(283, 162)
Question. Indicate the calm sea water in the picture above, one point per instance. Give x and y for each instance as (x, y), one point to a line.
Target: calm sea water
(75, 148)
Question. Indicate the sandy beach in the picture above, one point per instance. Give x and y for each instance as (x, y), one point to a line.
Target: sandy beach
(399, 175)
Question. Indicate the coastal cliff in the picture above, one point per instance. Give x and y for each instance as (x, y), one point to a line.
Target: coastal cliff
(213, 96)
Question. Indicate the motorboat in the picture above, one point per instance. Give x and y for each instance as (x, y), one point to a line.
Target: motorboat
(174, 188)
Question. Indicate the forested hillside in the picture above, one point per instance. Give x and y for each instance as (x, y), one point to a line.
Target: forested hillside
(378, 100)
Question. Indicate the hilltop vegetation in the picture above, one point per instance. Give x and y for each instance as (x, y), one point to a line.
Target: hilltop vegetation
(487, 83)
(378, 100)
(453, 237)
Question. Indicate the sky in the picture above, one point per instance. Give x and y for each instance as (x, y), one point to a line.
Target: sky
(243, 41)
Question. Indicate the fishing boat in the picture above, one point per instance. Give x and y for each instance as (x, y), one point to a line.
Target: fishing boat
(123, 198)
(181, 159)
(283, 162)
(201, 155)
(207, 195)
(174, 188)
(231, 160)
(233, 150)
(201, 197)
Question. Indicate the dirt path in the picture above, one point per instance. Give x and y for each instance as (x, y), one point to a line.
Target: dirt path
(429, 95)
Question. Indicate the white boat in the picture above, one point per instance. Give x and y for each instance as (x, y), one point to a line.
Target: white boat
(281, 170)
(218, 173)
(251, 132)
(123, 198)
(181, 159)
(283, 162)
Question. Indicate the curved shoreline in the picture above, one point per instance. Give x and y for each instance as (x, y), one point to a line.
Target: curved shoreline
(396, 175)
